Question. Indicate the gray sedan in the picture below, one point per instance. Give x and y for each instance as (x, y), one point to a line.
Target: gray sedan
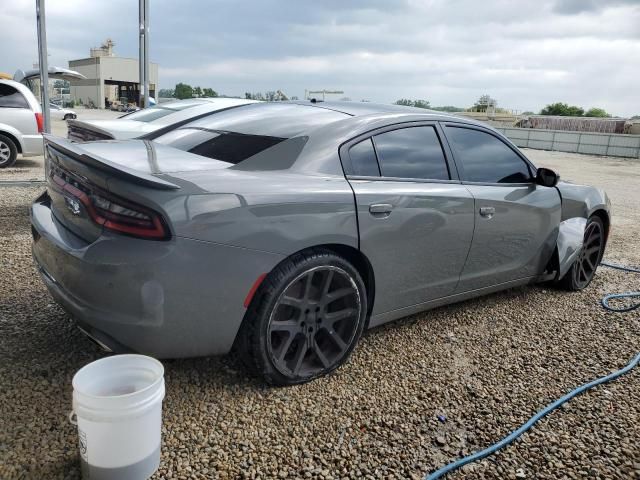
(283, 230)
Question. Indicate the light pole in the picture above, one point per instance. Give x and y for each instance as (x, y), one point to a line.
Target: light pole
(43, 63)
(143, 55)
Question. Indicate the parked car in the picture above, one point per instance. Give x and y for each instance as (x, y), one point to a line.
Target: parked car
(143, 122)
(60, 113)
(287, 229)
(21, 123)
(21, 120)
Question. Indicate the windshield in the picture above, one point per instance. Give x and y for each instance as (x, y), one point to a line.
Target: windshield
(220, 145)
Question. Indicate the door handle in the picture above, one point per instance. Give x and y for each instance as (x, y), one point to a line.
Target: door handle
(380, 210)
(487, 211)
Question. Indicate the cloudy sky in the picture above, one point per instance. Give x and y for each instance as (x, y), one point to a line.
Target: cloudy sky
(524, 53)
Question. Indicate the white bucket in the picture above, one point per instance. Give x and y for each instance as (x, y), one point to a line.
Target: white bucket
(118, 405)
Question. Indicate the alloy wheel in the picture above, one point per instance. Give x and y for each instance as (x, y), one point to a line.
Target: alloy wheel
(313, 324)
(589, 258)
(5, 152)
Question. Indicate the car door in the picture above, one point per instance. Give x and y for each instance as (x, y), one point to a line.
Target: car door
(415, 219)
(516, 220)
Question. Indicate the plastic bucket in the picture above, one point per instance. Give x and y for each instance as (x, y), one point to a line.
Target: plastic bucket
(117, 404)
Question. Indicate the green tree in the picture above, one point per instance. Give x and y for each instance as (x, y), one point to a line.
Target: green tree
(183, 91)
(635, 117)
(413, 103)
(209, 92)
(562, 109)
(528, 113)
(166, 93)
(197, 92)
(596, 112)
(448, 108)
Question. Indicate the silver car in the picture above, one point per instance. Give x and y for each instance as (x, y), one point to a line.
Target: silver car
(286, 229)
(21, 120)
(21, 123)
(162, 117)
(61, 113)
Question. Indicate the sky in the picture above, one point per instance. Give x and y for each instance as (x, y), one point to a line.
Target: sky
(523, 53)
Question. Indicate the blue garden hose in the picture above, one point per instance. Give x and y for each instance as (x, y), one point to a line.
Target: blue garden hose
(552, 406)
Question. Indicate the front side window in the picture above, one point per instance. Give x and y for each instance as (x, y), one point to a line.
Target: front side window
(413, 152)
(485, 158)
(11, 97)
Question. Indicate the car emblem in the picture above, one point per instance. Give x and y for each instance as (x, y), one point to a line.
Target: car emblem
(73, 205)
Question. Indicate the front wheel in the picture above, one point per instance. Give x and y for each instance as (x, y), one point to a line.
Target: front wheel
(584, 267)
(305, 319)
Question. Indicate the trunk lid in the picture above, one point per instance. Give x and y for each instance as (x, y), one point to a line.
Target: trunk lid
(77, 176)
(58, 73)
(121, 129)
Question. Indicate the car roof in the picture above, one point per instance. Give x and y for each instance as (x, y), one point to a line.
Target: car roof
(24, 90)
(274, 119)
(289, 119)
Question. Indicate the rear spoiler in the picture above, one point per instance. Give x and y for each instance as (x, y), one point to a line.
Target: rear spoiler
(75, 151)
(101, 133)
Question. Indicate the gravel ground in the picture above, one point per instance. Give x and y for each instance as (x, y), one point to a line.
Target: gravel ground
(32, 168)
(484, 365)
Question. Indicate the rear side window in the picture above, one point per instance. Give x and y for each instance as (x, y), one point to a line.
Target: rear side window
(485, 158)
(363, 159)
(413, 152)
(11, 98)
(220, 145)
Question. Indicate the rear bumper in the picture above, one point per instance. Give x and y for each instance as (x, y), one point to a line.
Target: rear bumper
(180, 298)
(32, 145)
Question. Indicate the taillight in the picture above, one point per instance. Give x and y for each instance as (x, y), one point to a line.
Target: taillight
(118, 214)
(126, 217)
(40, 122)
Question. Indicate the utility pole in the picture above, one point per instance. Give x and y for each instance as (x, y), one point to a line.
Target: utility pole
(143, 55)
(43, 64)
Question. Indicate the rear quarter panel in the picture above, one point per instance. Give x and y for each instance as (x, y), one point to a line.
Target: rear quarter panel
(276, 212)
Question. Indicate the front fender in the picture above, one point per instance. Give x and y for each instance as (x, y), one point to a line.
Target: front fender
(570, 242)
(582, 200)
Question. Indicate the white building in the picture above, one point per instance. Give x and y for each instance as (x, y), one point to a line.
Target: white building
(109, 78)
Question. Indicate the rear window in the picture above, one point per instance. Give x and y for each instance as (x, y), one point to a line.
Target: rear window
(220, 145)
(11, 97)
(154, 113)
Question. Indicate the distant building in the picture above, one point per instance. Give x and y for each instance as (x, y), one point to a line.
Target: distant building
(109, 78)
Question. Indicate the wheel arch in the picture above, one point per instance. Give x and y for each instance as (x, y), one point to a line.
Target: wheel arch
(13, 138)
(604, 216)
(349, 253)
(360, 261)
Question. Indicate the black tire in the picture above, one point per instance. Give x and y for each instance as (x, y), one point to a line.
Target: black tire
(8, 152)
(305, 318)
(584, 267)
(67, 117)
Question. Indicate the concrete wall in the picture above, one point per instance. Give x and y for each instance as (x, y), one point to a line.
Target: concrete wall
(615, 145)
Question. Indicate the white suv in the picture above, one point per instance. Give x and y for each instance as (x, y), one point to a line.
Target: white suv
(21, 123)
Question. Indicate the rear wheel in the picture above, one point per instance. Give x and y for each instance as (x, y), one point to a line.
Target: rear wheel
(8, 152)
(306, 318)
(584, 267)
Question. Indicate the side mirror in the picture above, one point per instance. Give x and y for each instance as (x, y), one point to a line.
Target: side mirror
(547, 177)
